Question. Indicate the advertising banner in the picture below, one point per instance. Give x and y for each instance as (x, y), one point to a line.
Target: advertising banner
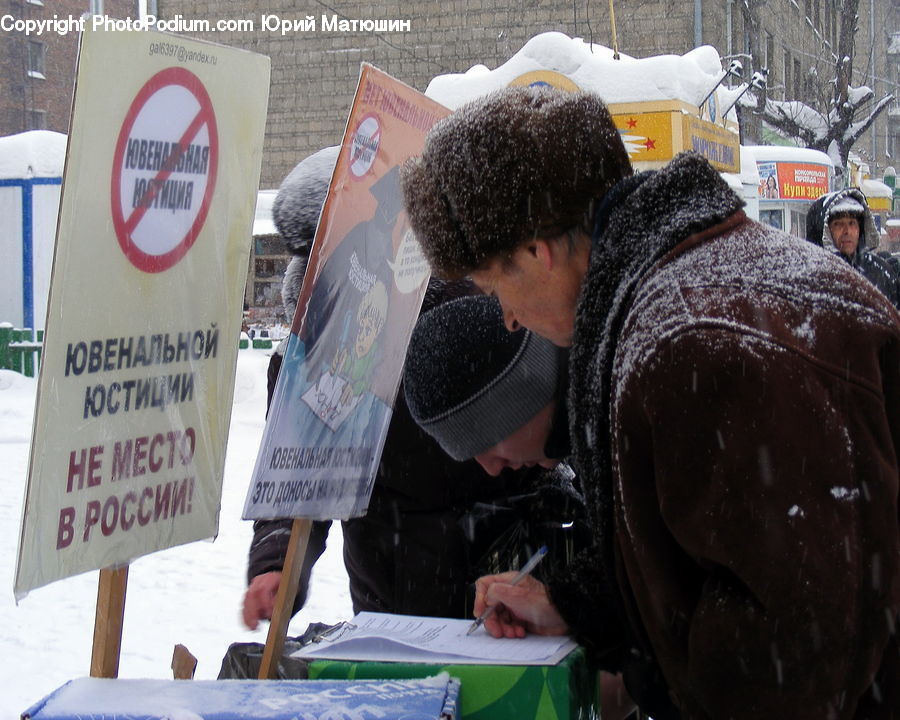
(137, 374)
(360, 299)
(780, 180)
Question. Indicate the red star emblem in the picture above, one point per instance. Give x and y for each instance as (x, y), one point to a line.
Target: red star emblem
(650, 144)
(632, 123)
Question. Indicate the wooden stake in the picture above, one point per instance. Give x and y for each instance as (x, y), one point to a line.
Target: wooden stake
(284, 600)
(184, 664)
(108, 622)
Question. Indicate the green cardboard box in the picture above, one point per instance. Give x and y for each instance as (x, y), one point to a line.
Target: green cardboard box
(567, 691)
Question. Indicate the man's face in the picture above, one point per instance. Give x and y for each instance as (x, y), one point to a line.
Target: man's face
(845, 234)
(537, 288)
(524, 448)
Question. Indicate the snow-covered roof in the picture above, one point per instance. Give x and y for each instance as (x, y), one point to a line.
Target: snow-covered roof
(687, 77)
(749, 169)
(875, 188)
(783, 153)
(36, 153)
(262, 222)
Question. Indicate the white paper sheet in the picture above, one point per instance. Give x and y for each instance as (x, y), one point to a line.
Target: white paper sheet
(411, 638)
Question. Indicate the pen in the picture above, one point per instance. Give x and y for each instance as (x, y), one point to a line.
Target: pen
(527, 568)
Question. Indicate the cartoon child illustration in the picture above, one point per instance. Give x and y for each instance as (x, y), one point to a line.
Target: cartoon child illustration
(356, 365)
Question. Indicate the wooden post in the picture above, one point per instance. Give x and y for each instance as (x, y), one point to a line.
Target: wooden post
(184, 664)
(6, 330)
(284, 600)
(108, 622)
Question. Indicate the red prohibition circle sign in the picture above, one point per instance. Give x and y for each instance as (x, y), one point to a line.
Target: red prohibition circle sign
(164, 170)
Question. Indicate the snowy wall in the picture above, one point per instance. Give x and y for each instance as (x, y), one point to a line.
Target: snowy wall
(31, 167)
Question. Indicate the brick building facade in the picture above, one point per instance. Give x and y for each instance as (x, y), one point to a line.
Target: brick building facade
(37, 72)
(314, 72)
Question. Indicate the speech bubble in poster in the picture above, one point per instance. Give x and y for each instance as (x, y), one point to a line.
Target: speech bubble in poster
(146, 297)
(359, 302)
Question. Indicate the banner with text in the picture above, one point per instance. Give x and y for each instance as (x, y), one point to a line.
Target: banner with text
(146, 296)
(359, 302)
(781, 180)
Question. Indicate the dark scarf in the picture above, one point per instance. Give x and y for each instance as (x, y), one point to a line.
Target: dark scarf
(639, 221)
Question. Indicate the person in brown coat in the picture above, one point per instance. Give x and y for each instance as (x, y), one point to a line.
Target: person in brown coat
(734, 410)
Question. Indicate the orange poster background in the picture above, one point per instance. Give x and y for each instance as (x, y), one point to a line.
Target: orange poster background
(802, 181)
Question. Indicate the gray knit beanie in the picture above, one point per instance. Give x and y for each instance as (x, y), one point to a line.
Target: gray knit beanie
(518, 163)
(469, 382)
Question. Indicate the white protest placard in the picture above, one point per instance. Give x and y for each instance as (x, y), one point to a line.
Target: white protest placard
(134, 398)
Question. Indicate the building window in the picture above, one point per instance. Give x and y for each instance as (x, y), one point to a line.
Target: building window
(267, 294)
(788, 66)
(269, 245)
(798, 80)
(37, 120)
(809, 87)
(770, 57)
(772, 218)
(834, 24)
(264, 268)
(35, 59)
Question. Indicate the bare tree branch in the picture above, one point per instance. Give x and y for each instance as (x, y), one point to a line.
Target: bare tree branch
(834, 114)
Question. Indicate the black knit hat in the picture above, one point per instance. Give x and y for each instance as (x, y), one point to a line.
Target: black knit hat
(518, 163)
(470, 383)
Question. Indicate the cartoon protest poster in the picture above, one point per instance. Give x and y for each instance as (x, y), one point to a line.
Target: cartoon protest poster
(360, 299)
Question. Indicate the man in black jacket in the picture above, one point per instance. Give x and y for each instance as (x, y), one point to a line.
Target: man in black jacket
(433, 525)
(842, 221)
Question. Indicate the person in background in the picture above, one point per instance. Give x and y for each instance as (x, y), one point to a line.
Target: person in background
(734, 413)
(841, 221)
(498, 397)
(892, 260)
(433, 525)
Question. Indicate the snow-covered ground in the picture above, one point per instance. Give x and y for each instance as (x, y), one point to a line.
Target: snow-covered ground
(190, 594)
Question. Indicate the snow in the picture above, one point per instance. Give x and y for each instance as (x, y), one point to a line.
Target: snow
(857, 95)
(688, 77)
(263, 224)
(36, 153)
(190, 594)
(784, 153)
(894, 45)
(845, 494)
(875, 188)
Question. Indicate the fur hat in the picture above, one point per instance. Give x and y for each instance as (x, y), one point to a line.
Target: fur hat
(470, 383)
(518, 163)
(299, 201)
(296, 211)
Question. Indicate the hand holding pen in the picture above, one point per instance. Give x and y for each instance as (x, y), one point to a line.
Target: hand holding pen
(528, 608)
